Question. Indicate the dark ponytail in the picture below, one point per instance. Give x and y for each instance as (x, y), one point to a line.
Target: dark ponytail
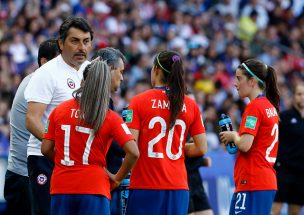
(171, 64)
(272, 91)
(267, 80)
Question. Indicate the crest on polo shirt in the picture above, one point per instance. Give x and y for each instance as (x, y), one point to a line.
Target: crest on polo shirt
(71, 83)
(41, 179)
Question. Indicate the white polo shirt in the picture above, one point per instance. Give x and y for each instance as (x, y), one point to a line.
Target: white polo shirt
(51, 84)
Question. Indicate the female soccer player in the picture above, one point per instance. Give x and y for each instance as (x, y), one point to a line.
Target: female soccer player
(257, 139)
(160, 120)
(77, 137)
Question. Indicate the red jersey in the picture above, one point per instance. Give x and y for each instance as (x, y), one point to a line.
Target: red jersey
(79, 154)
(161, 163)
(254, 169)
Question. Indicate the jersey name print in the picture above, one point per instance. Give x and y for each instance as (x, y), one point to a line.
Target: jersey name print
(164, 104)
(271, 112)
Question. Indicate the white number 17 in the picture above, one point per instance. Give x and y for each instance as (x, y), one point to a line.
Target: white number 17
(67, 130)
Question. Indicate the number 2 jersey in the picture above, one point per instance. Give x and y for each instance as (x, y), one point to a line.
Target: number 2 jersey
(161, 163)
(79, 155)
(254, 169)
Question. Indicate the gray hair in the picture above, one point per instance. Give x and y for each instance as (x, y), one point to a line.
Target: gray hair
(94, 94)
(111, 56)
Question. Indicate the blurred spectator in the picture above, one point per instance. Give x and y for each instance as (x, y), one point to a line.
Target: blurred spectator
(247, 26)
(4, 127)
(204, 31)
(19, 52)
(139, 70)
(256, 7)
(226, 7)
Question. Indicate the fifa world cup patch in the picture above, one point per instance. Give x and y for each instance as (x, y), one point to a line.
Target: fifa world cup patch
(46, 127)
(129, 115)
(251, 122)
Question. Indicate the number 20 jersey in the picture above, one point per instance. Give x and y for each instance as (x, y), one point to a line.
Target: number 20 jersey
(161, 163)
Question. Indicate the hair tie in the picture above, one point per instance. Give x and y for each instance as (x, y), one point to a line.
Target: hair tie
(251, 73)
(161, 65)
(175, 58)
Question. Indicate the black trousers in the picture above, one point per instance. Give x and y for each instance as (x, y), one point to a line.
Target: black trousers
(198, 200)
(16, 194)
(40, 169)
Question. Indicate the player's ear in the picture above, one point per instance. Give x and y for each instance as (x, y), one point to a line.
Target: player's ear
(60, 44)
(252, 81)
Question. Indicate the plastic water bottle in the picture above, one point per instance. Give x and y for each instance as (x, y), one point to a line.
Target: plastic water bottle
(124, 113)
(124, 193)
(226, 125)
(125, 183)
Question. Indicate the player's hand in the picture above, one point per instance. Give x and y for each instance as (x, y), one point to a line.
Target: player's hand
(113, 181)
(228, 136)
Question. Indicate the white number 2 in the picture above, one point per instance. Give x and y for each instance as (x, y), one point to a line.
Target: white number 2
(275, 133)
(67, 130)
(151, 152)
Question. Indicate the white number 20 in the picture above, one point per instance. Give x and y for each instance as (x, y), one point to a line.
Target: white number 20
(151, 152)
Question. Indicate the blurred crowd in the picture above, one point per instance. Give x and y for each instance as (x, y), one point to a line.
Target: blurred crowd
(214, 37)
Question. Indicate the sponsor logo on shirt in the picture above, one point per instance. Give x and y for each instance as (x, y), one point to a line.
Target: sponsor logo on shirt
(71, 83)
(41, 179)
(251, 122)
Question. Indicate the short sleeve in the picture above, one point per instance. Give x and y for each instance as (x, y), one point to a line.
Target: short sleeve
(119, 130)
(197, 127)
(41, 87)
(250, 121)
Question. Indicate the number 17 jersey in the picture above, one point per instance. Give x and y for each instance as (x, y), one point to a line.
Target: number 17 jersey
(80, 155)
(161, 163)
